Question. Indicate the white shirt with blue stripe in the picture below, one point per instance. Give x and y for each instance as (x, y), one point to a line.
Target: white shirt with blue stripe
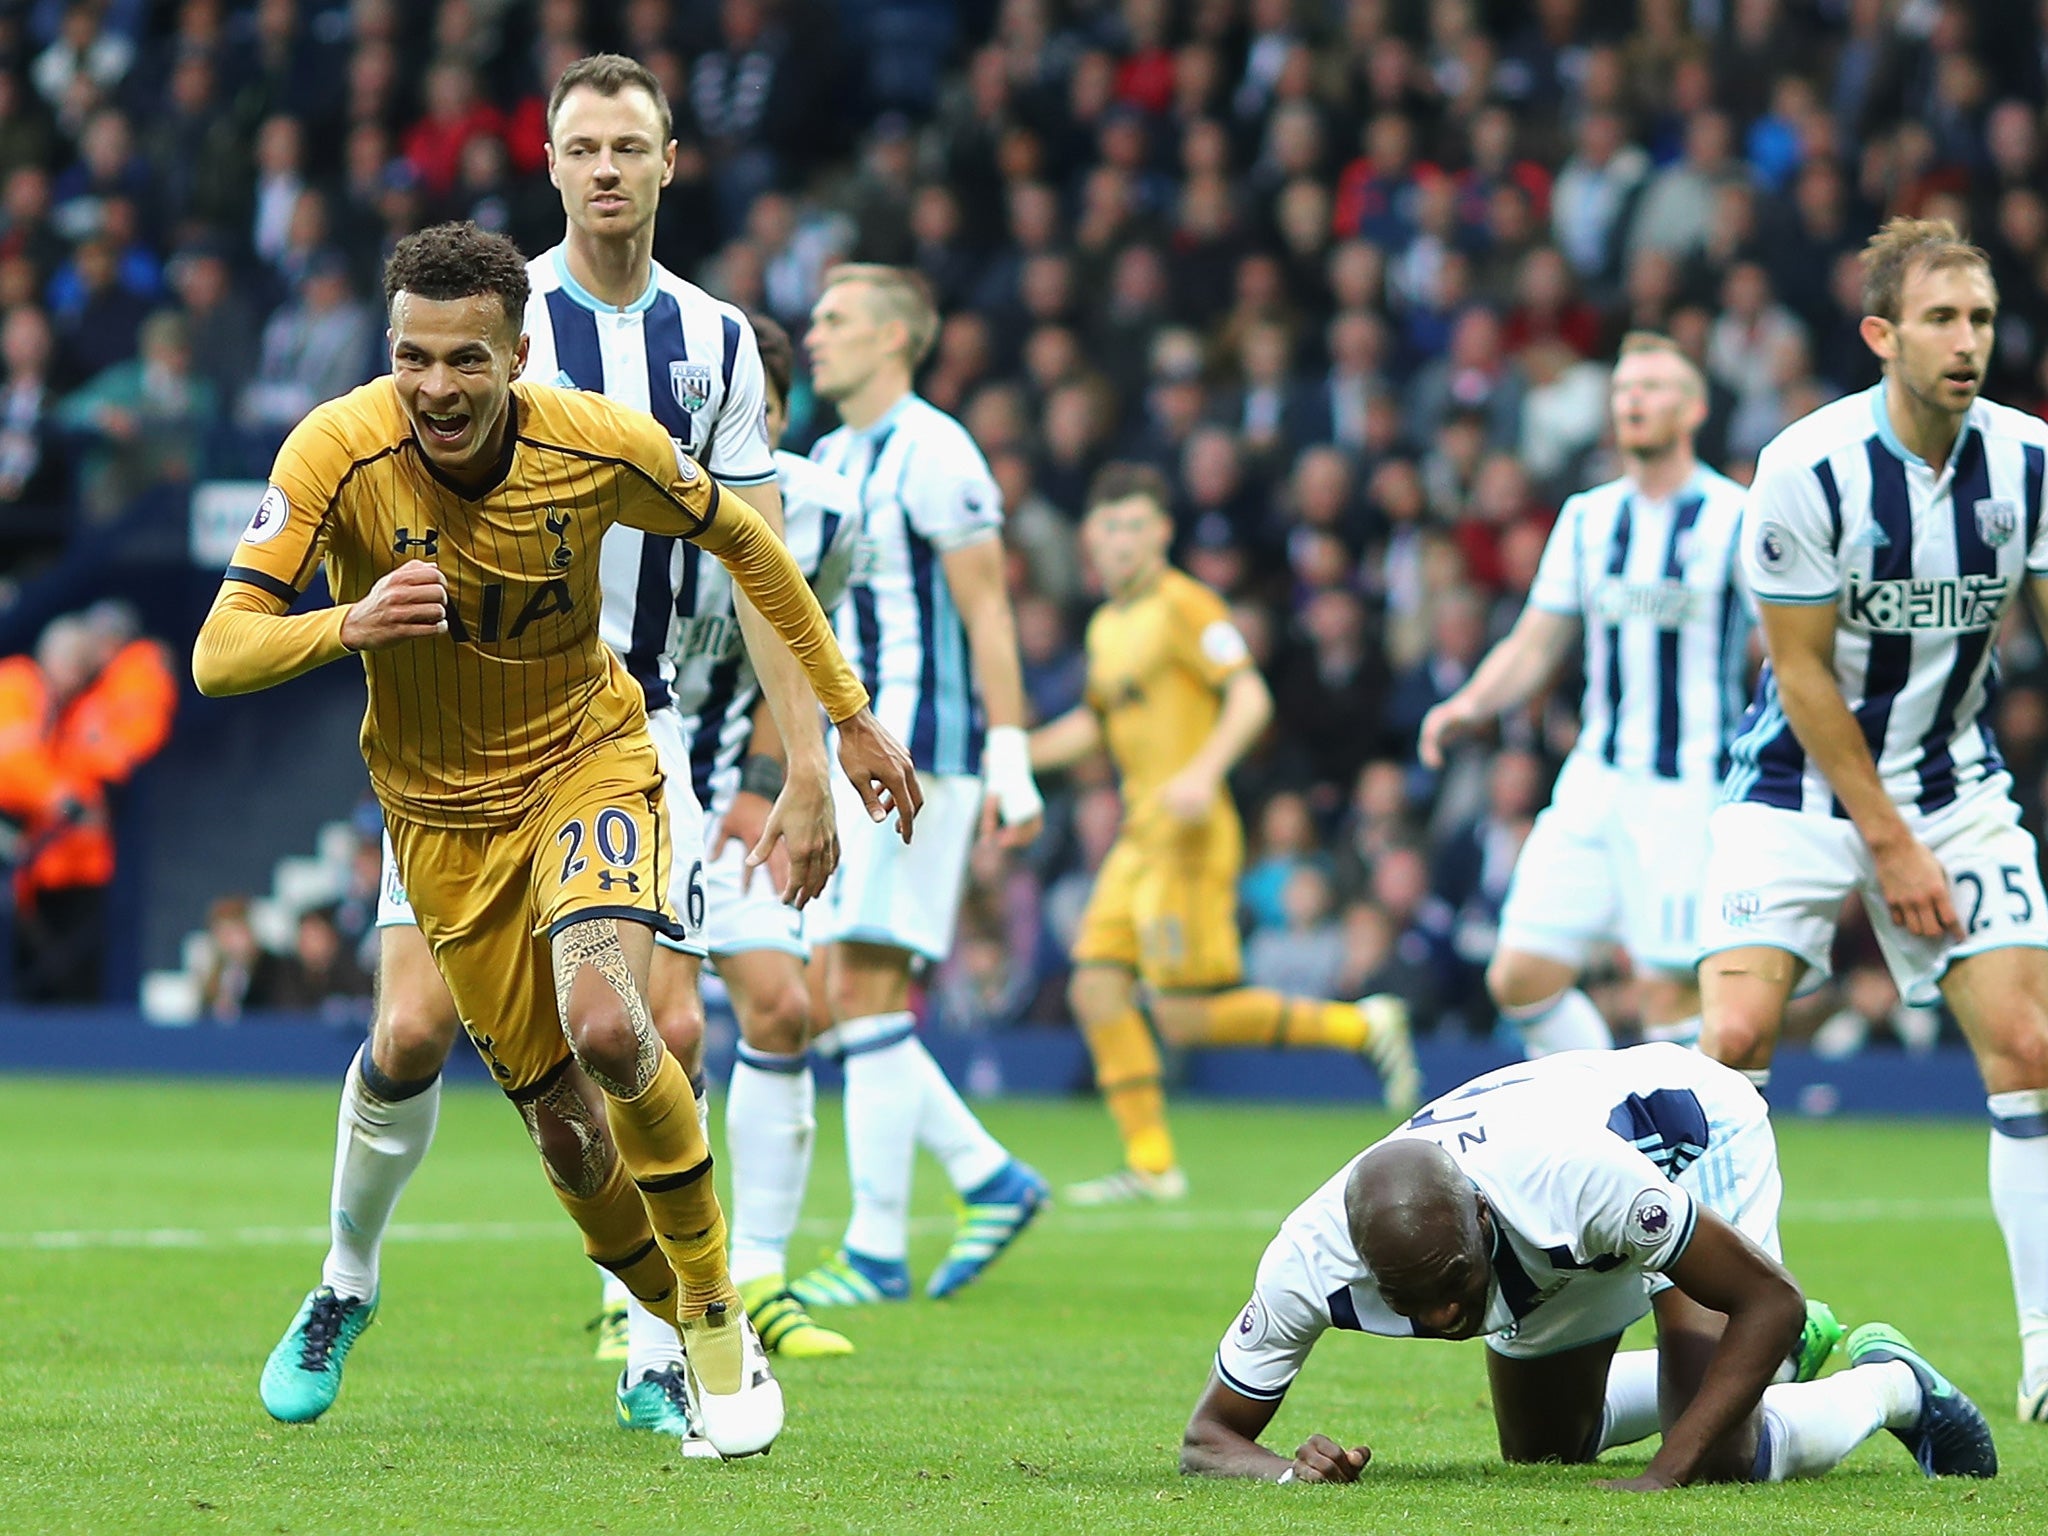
(1920, 566)
(714, 685)
(1577, 1155)
(1656, 585)
(925, 490)
(691, 362)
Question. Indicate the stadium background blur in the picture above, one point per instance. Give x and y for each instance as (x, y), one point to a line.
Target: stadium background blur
(1349, 271)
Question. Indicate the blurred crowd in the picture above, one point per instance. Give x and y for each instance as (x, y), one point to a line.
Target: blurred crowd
(1349, 271)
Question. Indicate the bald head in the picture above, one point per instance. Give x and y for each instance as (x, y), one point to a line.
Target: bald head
(1415, 1219)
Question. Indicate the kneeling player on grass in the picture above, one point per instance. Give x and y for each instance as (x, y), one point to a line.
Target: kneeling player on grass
(1548, 1206)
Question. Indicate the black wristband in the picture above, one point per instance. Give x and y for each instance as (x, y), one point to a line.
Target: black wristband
(761, 776)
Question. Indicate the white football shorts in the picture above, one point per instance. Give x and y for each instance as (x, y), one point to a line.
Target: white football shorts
(686, 887)
(1614, 859)
(745, 913)
(1777, 877)
(903, 896)
(1736, 1178)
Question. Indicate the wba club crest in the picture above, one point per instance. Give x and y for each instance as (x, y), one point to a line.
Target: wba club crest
(690, 383)
(1997, 521)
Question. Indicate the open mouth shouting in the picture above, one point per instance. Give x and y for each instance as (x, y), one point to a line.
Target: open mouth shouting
(444, 429)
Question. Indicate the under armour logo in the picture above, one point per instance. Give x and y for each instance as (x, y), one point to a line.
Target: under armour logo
(429, 545)
(610, 880)
(558, 524)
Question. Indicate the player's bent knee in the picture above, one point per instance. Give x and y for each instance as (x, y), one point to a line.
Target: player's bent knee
(778, 1021)
(410, 1037)
(1098, 993)
(1572, 1444)
(680, 1023)
(2016, 1053)
(602, 1036)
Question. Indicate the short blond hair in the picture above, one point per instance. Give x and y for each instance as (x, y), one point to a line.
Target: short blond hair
(1905, 246)
(900, 293)
(1635, 343)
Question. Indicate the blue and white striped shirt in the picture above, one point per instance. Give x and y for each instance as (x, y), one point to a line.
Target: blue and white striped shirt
(925, 490)
(1666, 625)
(715, 687)
(1920, 566)
(690, 361)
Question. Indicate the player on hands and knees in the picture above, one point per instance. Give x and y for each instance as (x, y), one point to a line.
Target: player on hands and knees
(1173, 694)
(1547, 1207)
(927, 622)
(601, 316)
(1643, 566)
(1886, 537)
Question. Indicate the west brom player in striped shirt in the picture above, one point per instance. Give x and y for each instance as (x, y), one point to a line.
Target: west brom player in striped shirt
(1885, 538)
(756, 941)
(1646, 566)
(927, 624)
(602, 316)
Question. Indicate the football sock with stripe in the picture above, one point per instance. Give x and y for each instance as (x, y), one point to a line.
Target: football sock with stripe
(1127, 1072)
(383, 1130)
(619, 1239)
(769, 1126)
(663, 1148)
(884, 1100)
(1566, 1022)
(2019, 1198)
(1257, 1016)
(948, 1129)
(1810, 1426)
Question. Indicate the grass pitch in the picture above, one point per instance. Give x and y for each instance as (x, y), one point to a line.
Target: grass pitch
(155, 1238)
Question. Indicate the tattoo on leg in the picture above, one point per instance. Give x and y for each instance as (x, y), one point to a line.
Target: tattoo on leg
(595, 943)
(573, 1146)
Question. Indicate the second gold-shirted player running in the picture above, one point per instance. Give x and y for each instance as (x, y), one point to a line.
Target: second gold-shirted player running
(1173, 694)
(459, 515)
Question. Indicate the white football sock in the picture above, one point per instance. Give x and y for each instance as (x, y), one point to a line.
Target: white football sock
(700, 1090)
(1630, 1413)
(1684, 1032)
(952, 1132)
(2019, 1196)
(652, 1343)
(885, 1091)
(1810, 1426)
(769, 1125)
(1566, 1022)
(615, 1295)
(378, 1143)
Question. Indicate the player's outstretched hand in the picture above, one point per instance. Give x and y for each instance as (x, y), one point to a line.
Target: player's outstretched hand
(800, 826)
(880, 771)
(1440, 727)
(1916, 889)
(1322, 1460)
(409, 603)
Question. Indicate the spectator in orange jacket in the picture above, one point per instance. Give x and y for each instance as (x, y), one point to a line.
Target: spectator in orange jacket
(76, 720)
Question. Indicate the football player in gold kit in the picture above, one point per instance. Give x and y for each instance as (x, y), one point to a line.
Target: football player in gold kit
(459, 514)
(1173, 694)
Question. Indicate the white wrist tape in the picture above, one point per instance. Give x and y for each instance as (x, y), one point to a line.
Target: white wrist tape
(1006, 774)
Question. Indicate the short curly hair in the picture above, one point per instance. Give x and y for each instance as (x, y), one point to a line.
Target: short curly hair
(456, 261)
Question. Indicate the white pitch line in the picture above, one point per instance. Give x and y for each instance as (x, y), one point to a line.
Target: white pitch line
(1822, 1212)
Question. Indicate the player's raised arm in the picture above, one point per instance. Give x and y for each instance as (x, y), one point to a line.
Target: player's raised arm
(1527, 659)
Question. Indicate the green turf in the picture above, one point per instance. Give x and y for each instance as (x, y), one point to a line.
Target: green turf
(1049, 1398)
